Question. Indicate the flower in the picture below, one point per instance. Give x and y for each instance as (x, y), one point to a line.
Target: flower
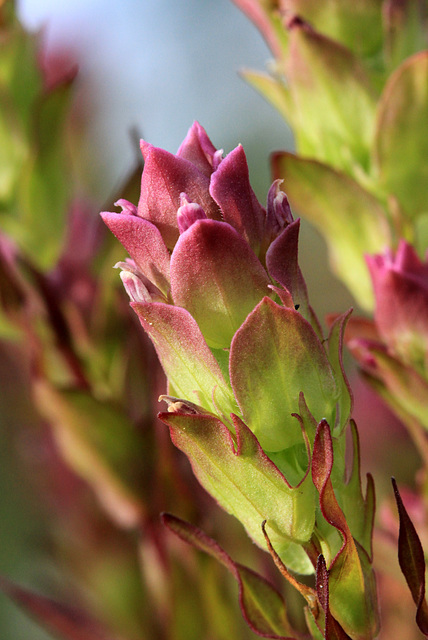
(215, 281)
(400, 284)
(393, 351)
(257, 398)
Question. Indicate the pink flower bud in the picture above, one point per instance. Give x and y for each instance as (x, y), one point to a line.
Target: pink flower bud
(400, 284)
(188, 213)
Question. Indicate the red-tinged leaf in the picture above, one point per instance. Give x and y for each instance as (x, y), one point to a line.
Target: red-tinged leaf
(307, 592)
(403, 385)
(262, 606)
(268, 22)
(186, 358)
(198, 149)
(412, 562)
(217, 278)
(63, 621)
(333, 630)
(230, 187)
(353, 600)
(274, 356)
(246, 483)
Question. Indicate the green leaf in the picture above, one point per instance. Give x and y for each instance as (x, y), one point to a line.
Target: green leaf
(327, 84)
(13, 151)
(405, 31)
(273, 90)
(245, 481)
(45, 188)
(359, 509)
(335, 349)
(357, 25)
(351, 220)
(262, 606)
(274, 356)
(401, 139)
(412, 561)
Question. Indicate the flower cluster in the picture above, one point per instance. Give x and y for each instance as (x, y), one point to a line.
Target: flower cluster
(258, 400)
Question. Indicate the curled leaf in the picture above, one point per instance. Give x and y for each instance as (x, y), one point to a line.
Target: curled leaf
(262, 606)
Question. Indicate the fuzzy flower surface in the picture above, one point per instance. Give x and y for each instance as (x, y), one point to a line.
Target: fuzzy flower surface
(214, 279)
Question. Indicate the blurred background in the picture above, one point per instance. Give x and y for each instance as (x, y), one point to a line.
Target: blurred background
(150, 68)
(147, 68)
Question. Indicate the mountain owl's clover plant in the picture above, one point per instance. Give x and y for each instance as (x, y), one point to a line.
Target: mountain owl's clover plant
(214, 279)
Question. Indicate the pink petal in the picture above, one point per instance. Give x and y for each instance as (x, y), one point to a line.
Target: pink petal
(231, 189)
(165, 177)
(282, 264)
(198, 149)
(145, 245)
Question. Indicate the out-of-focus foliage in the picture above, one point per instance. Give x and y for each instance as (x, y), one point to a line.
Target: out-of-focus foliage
(108, 468)
(350, 79)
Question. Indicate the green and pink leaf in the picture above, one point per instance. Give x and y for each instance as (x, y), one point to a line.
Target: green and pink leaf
(275, 355)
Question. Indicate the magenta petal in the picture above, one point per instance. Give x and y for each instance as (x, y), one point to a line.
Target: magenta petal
(282, 264)
(231, 189)
(217, 278)
(198, 149)
(186, 359)
(145, 245)
(401, 292)
(188, 213)
(165, 177)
